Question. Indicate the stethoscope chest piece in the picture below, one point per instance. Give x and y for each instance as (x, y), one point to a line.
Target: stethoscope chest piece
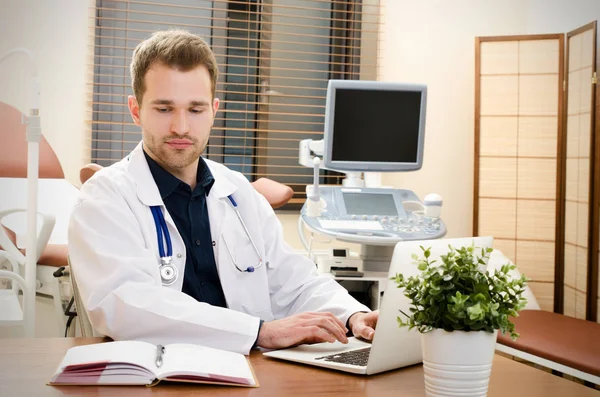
(168, 272)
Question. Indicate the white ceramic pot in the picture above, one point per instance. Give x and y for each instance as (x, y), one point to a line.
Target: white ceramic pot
(457, 363)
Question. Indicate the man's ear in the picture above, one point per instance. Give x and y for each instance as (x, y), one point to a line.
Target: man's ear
(134, 109)
(215, 106)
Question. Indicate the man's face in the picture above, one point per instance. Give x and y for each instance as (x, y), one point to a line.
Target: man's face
(176, 115)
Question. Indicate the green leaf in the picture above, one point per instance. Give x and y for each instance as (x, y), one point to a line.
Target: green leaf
(451, 292)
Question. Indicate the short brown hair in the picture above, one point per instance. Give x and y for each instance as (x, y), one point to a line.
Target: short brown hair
(178, 49)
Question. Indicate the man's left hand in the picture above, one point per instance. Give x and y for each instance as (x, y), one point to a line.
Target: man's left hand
(363, 325)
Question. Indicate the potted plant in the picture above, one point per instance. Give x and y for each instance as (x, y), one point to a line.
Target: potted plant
(459, 306)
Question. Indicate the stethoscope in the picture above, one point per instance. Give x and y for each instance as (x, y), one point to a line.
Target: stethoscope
(168, 272)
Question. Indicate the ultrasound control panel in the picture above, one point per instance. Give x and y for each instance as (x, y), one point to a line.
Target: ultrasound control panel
(373, 215)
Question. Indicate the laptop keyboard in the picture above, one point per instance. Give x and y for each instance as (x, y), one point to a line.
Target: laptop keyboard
(354, 357)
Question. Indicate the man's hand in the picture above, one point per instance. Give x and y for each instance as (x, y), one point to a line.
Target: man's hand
(301, 328)
(363, 324)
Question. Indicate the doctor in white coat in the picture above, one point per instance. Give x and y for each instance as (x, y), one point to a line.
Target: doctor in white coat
(274, 297)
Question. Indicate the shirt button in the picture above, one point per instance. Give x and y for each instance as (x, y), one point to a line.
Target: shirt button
(202, 283)
(197, 241)
(179, 255)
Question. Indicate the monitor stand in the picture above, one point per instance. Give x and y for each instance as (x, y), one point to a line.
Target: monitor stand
(376, 258)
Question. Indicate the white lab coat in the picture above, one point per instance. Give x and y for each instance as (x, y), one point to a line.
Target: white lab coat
(114, 253)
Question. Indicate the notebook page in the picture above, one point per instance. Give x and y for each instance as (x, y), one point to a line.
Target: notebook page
(102, 361)
(192, 360)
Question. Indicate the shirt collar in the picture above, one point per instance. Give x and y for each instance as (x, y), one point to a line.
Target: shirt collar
(167, 182)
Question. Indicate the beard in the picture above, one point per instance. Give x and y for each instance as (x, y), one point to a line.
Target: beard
(172, 158)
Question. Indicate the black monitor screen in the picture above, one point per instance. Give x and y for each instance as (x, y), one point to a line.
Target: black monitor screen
(376, 126)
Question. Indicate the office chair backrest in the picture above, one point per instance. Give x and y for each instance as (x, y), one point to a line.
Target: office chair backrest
(87, 331)
(276, 193)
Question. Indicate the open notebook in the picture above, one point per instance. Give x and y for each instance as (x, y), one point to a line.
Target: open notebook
(141, 363)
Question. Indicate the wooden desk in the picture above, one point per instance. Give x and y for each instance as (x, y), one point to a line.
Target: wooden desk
(27, 364)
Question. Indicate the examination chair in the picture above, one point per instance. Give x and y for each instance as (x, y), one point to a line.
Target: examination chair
(561, 343)
(54, 194)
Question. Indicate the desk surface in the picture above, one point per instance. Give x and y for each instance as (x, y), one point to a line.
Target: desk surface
(27, 364)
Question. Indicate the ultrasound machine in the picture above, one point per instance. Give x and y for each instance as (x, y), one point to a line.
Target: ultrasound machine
(370, 127)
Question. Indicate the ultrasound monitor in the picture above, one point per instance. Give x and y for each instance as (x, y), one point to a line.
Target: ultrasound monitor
(374, 126)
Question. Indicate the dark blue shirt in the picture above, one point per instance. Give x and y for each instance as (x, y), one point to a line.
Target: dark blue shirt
(190, 214)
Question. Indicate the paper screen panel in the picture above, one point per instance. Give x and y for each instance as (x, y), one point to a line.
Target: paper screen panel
(535, 221)
(498, 177)
(499, 136)
(580, 304)
(499, 57)
(519, 92)
(498, 218)
(580, 263)
(537, 136)
(570, 265)
(530, 253)
(507, 246)
(538, 96)
(577, 173)
(539, 56)
(499, 95)
(569, 301)
(536, 178)
(544, 294)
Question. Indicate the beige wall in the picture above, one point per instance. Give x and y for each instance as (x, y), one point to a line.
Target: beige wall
(56, 32)
(432, 42)
(429, 42)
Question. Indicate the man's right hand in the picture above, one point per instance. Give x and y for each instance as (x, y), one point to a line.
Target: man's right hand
(302, 328)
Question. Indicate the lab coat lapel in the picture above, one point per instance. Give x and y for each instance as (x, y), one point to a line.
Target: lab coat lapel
(220, 218)
(149, 195)
(147, 190)
(217, 200)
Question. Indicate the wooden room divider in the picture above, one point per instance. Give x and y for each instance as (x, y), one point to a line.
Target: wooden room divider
(581, 225)
(517, 144)
(537, 175)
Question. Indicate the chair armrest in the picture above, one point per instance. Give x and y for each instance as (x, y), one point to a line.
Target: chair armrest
(14, 265)
(47, 224)
(13, 276)
(276, 193)
(87, 171)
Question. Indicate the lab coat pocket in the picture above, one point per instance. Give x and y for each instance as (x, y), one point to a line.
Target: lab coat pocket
(252, 287)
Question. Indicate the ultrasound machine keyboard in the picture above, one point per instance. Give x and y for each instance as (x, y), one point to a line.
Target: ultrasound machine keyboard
(350, 224)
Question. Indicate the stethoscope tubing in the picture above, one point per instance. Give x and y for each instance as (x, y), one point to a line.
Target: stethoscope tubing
(163, 231)
(237, 211)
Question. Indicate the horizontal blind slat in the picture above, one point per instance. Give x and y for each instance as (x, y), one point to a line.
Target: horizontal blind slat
(246, 3)
(210, 19)
(329, 45)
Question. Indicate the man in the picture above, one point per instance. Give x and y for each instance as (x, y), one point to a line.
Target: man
(211, 278)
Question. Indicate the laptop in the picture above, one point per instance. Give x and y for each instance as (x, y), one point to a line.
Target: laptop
(392, 347)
